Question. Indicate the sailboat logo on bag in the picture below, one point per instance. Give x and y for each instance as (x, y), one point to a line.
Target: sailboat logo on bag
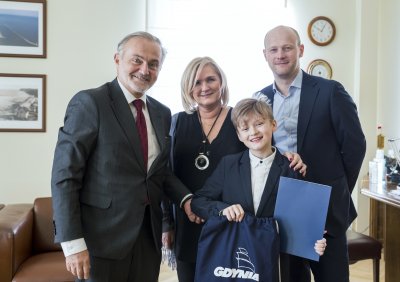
(243, 260)
(245, 268)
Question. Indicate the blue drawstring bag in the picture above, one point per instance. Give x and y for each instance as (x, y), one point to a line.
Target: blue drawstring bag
(238, 251)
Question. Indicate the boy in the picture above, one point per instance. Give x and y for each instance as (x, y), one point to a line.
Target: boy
(247, 182)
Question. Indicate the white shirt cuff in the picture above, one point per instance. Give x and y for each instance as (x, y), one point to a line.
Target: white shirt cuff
(184, 199)
(73, 247)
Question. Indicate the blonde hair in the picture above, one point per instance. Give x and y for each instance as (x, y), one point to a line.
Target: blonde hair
(257, 106)
(190, 76)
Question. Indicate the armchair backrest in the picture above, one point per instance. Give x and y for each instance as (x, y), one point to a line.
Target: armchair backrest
(43, 230)
(16, 221)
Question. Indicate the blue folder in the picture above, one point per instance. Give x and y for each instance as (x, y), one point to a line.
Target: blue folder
(301, 209)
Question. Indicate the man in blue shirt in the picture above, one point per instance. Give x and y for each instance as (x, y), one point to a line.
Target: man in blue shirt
(318, 119)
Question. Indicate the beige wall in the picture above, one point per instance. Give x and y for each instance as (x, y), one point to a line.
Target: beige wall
(365, 85)
(81, 40)
(388, 70)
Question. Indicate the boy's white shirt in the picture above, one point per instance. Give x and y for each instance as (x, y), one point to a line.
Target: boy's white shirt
(259, 173)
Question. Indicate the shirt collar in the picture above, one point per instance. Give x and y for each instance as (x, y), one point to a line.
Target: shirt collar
(255, 161)
(128, 96)
(295, 83)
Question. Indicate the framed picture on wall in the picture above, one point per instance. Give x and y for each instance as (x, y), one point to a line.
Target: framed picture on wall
(22, 102)
(23, 28)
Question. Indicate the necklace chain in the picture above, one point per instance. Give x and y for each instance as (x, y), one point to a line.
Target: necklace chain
(202, 161)
(205, 137)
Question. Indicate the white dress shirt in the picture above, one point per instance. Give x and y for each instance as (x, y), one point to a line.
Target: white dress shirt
(286, 113)
(153, 146)
(259, 173)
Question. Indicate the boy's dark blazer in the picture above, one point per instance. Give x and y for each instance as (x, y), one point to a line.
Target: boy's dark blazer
(331, 142)
(100, 186)
(230, 184)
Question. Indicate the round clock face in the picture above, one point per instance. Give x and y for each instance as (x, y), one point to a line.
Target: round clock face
(320, 68)
(321, 31)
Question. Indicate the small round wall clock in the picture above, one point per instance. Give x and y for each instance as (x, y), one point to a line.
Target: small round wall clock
(320, 68)
(321, 31)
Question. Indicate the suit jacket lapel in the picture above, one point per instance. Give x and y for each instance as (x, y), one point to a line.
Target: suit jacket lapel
(308, 96)
(158, 125)
(245, 177)
(269, 92)
(156, 121)
(125, 118)
(272, 183)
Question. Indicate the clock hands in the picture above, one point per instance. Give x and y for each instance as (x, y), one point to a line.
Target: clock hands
(323, 27)
(321, 30)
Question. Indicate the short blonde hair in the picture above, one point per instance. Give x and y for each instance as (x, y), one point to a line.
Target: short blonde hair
(190, 76)
(244, 107)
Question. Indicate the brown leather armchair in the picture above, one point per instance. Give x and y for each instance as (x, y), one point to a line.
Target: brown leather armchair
(27, 248)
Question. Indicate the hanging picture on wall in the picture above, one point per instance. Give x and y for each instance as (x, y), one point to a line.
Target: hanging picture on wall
(22, 102)
(23, 28)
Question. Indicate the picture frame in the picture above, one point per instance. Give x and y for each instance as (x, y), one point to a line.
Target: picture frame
(22, 102)
(23, 28)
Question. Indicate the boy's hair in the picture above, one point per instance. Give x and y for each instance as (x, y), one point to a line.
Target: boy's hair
(257, 106)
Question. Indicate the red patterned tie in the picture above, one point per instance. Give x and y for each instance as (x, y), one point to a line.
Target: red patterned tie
(142, 130)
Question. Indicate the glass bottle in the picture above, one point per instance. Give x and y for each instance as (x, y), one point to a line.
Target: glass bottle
(380, 138)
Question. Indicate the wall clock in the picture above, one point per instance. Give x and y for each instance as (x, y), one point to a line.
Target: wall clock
(321, 31)
(320, 68)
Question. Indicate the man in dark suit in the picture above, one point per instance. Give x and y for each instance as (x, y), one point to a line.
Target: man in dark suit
(318, 119)
(108, 182)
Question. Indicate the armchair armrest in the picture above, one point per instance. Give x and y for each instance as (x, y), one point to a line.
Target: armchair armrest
(16, 222)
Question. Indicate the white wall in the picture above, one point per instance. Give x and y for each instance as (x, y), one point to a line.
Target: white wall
(340, 53)
(365, 82)
(221, 36)
(388, 70)
(81, 40)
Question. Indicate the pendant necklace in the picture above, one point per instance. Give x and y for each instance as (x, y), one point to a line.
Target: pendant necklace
(202, 161)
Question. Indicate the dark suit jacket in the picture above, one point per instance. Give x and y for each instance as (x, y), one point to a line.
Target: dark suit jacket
(331, 142)
(230, 184)
(99, 183)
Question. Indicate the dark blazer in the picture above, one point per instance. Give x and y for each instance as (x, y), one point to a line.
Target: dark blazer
(100, 186)
(230, 184)
(331, 142)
